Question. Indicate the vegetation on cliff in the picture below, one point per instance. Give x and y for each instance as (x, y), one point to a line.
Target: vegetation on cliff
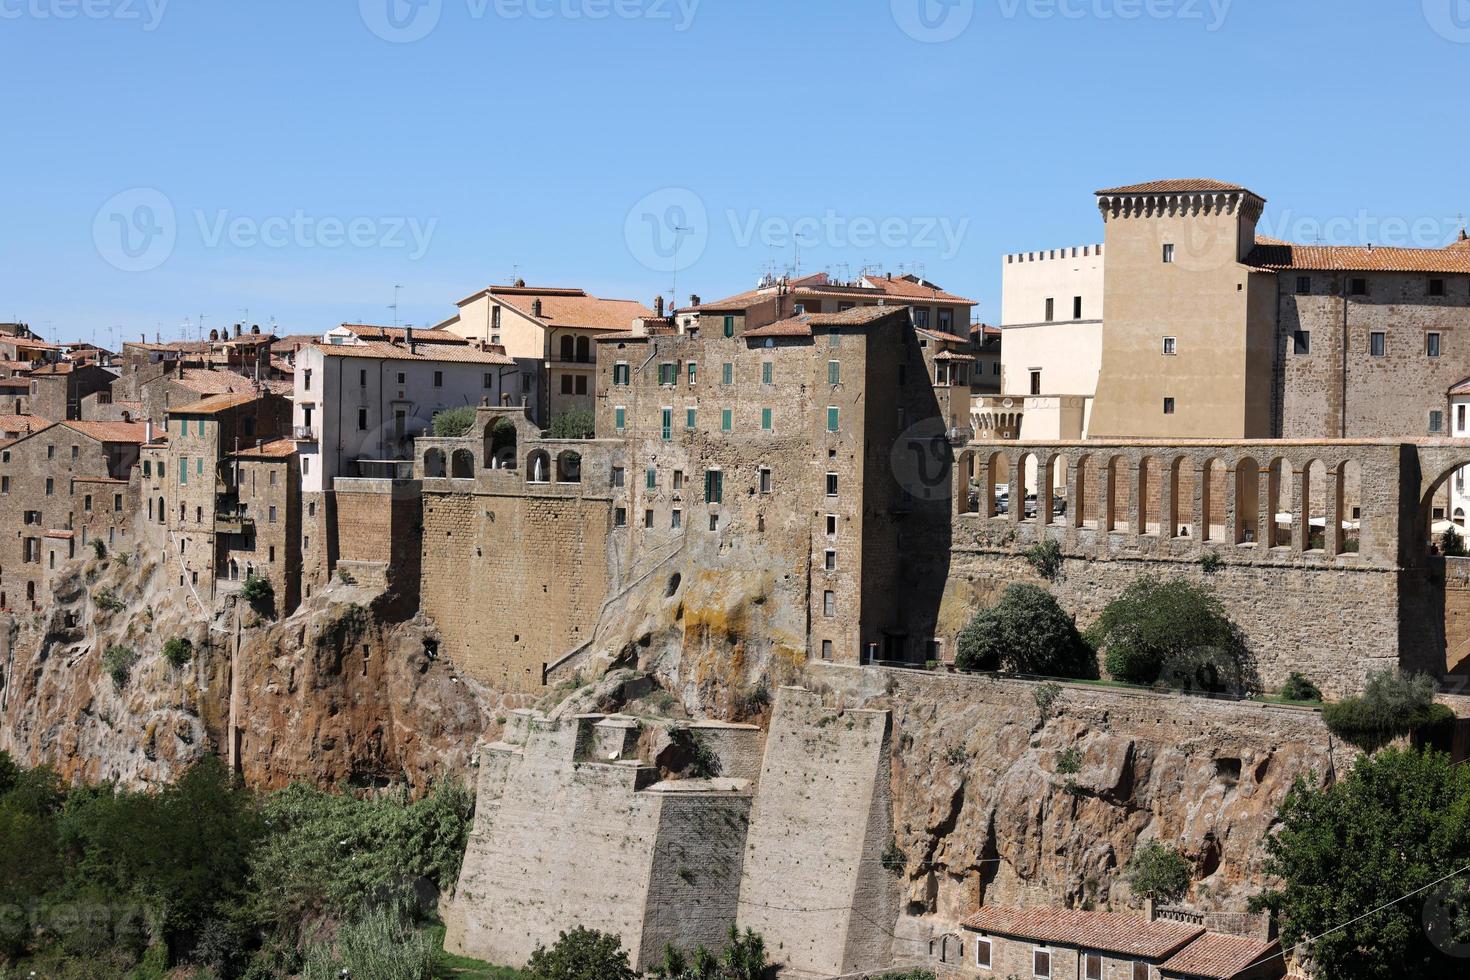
(1374, 869)
(1027, 632)
(1391, 706)
(97, 880)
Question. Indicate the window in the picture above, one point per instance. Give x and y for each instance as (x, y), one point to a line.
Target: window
(618, 477)
(362, 420)
(691, 418)
(306, 383)
(362, 378)
(648, 520)
(1076, 307)
(829, 604)
(727, 373)
(1035, 382)
(1041, 958)
(1051, 309)
(693, 372)
(652, 478)
(678, 479)
(921, 319)
(1431, 344)
(668, 374)
(401, 377)
(271, 515)
(621, 373)
(489, 380)
(87, 503)
(729, 326)
(620, 417)
(1140, 970)
(831, 525)
(829, 560)
(581, 382)
(946, 319)
(75, 450)
(676, 519)
(765, 479)
(51, 450)
(1168, 257)
(1171, 346)
(982, 952)
(273, 478)
(1436, 422)
(566, 384)
(1358, 287)
(1091, 966)
(834, 372)
(666, 421)
(1301, 343)
(4, 484)
(831, 484)
(147, 468)
(826, 649)
(620, 517)
(727, 422)
(1303, 285)
(767, 372)
(438, 379)
(833, 419)
(1459, 418)
(50, 486)
(1436, 287)
(1378, 343)
(834, 339)
(1168, 406)
(765, 420)
(714, 487)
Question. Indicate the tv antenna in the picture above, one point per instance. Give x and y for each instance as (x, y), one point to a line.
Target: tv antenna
(394, 307)
(678, 243)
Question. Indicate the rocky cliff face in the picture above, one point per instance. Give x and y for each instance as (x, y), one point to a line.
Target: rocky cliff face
(339, 691)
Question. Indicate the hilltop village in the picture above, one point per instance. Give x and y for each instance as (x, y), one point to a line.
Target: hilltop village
(553, 540)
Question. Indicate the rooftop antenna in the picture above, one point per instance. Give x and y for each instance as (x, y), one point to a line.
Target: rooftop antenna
(394, 307)
(678, 243)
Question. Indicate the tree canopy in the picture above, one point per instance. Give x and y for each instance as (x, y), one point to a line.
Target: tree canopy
(1175, 632)
(1026, 632)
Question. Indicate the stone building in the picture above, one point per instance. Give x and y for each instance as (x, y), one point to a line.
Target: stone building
(61, 488)
(258, 520)
(1073, 944)
(551, 333)
(58, 389)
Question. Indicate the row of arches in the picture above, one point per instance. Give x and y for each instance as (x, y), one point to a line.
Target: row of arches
(460, 465)
(1304, 505)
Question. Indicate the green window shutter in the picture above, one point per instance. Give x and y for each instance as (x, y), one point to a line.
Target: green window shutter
(727, 373)
(184, 471)
(726, 424)
(766, 372)
(668, 424)
(766, 419)
(729, 326)
(832, 419)
(652, 478)
(201, 427)
(714, 487)
(620, 418)
(834, 372)
(690, 418)
(692, 372)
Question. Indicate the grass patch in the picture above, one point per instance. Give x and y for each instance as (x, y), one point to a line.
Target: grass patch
(452, 967)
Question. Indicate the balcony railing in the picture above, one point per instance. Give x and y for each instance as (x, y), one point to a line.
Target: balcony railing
(303, 433)
(233, 524)
(384, 469)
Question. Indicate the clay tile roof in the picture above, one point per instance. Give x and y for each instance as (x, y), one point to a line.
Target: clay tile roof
(381, 350)
(949, 355)
(797, 326)
(60, 367)
(1463, 388)
(214, 404)
(570, 307)
(1280, 256)
(429, 335)
(1104, 931)
(212, 382)
(1175, 187)
(629, 335)
(1219, 957)
(949, 338)
(801, 326)
(733, 304)
(109, 431)
(279, 449)
(911, 287)
(23, 423)
(60, 533)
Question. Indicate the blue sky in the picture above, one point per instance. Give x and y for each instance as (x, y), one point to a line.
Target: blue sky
(171, 158)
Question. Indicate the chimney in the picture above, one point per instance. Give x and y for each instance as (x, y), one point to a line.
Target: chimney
(520, 283)
(1463, 235)
(255, 329)
(237, 330)
(148, 431)
(694, 299)
(536, 307)
(214, 335)
(408, 339)
(658, 306)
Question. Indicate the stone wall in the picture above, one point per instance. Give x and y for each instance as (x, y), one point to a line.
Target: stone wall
(813, 884)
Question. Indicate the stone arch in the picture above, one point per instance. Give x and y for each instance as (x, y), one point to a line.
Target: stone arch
(1350, 512)
(584, 350)
(1114, 509)
(1079, 500)
(568, 347)
(434, 464)
(1182, 481)
(1058, 488)
(1247, 500)
(1213, 496)
(1316, 519)
(500, 444)
(1029, 473)
(538, 467)
(1150, 497)
(966, 492)
(462, 465)
(569, 467)
(995, 472)
(1280, 494)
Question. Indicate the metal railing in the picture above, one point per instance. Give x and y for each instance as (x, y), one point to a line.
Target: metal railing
(384, 469)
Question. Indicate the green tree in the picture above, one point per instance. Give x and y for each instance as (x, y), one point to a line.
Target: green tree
(1172, 631)
(1298, 687)
(1392, 705)
(1159, 872)
(582, 954)
(259, 593)
(574, 423)
(119, 662)
(178, 651)
(1026, 632)
(1349, 854)
(454, 423)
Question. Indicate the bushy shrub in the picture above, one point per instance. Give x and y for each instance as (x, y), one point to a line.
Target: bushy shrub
(1391, 705)
(1300, 688)
(574, 423)
(99, 549)
(454, 423)
(107, 600)
(1171, 631)
(1452, 543)
(1046, 558)
(744, 958)
(1025, 633)
(582, 954)
(178, 651)
(1158, 872)
(119, 661)
(259, 593)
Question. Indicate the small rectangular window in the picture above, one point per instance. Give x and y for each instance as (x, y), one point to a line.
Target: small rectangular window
(765, 420)
(438, 379)
(1140, 970)
(691, 418)
(362, 420)
(620, 517)
(678, 479)
(982, 952)
(648, 519)
(1168, 406)
(1301, 343)
(620, 373)
(1041, 958)
(826, 649)
(1092, 966)
(833, 419)
(620, 417)
(829, 560)
(1358, 287)
(831, 525)
(1431, 344)
(1035, 382)
(727, 373)
(1171, 346)
(714, 487)
(765, 479)
(271, 518)
(1436, 422)
(834, 372)
(729, 326)
(667, 423)
(1303, 285)
(829, 604)
(652, 478)
(727, 420)
(693, 372)
(767, 372)
(1378, 343)
(1076, 307)
(362, 378)
(668, 374)
(489, 381)
(1436, 287)
(1051, 306)
(676, 519)
(1168, 253)
(618, 476)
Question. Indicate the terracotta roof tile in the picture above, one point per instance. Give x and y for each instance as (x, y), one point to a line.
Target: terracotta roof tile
(801, 326)
(1104, 931)
(379, 350)
(109, 431)
(60, 367)
(569, 307)
(949, 338)
(214, 404)
(1353, 258)
(278, 449)
(429, 335)
(1219, 957)
(23, 423)
(212, 382)
(1175, 187)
